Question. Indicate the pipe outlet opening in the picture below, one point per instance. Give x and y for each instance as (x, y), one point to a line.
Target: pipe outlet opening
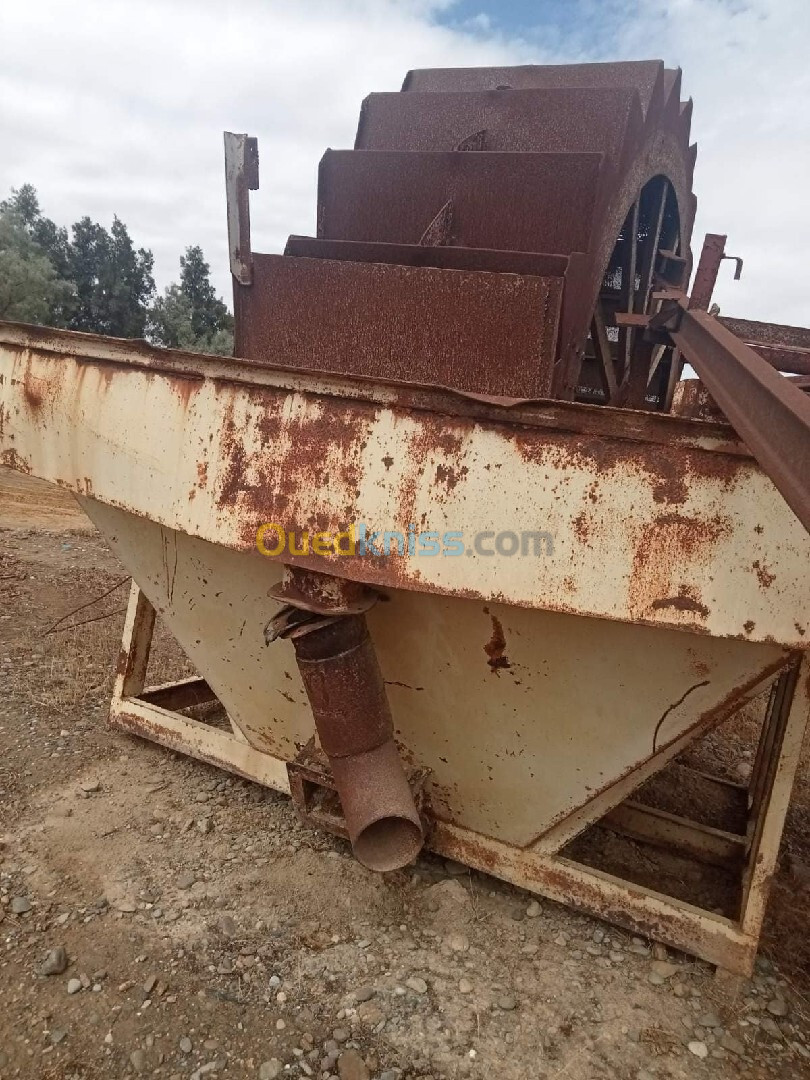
(388, 844)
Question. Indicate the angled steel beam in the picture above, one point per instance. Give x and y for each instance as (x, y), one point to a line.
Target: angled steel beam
(768, 412)
(786, 348)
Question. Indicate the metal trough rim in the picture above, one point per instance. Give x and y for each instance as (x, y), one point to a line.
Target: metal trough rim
(308, 450)
(550, 413)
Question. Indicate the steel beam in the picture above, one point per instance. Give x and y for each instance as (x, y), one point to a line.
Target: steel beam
(769, 413)
(708, 267)
(241, 177)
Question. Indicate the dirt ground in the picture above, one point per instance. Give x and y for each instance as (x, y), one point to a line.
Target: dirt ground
(195, 929)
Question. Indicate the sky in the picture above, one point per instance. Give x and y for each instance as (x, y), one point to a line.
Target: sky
(118, 107)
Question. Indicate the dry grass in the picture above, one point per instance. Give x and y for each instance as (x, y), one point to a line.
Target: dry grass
(167, 661)
(79, 666)
(78, 662)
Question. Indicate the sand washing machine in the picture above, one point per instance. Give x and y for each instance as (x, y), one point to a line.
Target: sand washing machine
(462, 558)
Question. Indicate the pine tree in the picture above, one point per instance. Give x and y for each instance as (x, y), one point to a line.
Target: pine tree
(46, 240)
(30, 289)
(114, 282)
(190, 315)
(208, 313)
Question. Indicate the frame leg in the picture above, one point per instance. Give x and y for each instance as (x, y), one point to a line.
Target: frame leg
(131, 709)
(783, 733)
(136, 644)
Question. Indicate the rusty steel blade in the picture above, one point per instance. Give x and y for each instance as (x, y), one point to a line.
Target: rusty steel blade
(551, 121)
(443, 258)
(645, 76)
(766, 333)
(483, 333)
(517, 202)
(786, 348)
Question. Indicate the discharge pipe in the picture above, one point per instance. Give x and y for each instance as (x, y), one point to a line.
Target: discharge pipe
(345, 688)
(344, 684)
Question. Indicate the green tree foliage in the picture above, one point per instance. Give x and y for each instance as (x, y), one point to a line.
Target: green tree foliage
(94, 279)
(190, 315)
(48, 236)
(35, 282)
(170, 320)
(208, 313)
(30, 289)
(114, 283)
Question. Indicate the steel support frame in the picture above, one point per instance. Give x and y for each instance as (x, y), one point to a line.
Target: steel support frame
(731, 944)
(716, 847)
(241, 177)
(131, 709)
(712, 254)
(770, 415)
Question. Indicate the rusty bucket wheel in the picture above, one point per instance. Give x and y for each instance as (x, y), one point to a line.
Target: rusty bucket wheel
(620, 367)
(484, 216)
(577, 177)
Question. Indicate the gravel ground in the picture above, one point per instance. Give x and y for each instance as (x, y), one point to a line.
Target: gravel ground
(160, 918)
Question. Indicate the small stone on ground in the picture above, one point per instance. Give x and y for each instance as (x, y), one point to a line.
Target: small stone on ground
(351, 1066)
(55, 963)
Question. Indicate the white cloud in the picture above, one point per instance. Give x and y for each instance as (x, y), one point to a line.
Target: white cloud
(112, 106)
(117, 106)
(745, 65)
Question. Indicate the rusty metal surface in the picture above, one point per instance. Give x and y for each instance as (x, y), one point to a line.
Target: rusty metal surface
(241, 176)
(606, 132)
(787, 348)
(665, 530)
(691, 398)
(183, 735)
(647, 77)
(384, 826)
(576, 272)
(187, 370)
(519, 202)
(671, 832)
(543, 203)
(499, 667)
(784, 358)
(482, 333)
(765, 333)
(768, 412)
(443, 258)
(591, 120)
(728, 942)
(654, 518)
(312, 786)
(661, 918)
(711, 255)
(180, 695)
(323, 594)
(346, 692)
(778, 760)
(345, 688)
